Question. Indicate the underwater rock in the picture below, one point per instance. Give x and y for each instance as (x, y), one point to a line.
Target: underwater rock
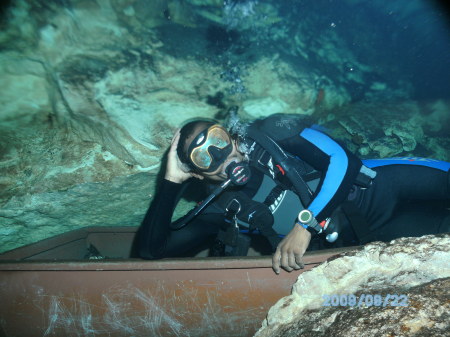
(92, 91)
(78, 111)
(408, 133)
(386, 147)
(435, 116)
(123, 118)
(246, 15)
(291, 90)
(212, 3)
(416, 270)
(381, 130)
(439, 146)
(264, 107)
(29, 218)
(39, 158)
(25, 78)
(75, 88)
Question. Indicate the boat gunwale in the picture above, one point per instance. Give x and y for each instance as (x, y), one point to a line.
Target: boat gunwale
(16, 259)
(245, 262)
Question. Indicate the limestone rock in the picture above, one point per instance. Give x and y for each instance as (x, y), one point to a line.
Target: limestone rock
(382, 130)
(27, 77)
(91, 108)
(275, 86)
(418, 268)
(92, 92)
(386, 147)
(426, 315)
(123, 117)
(436, 116)
(439, 146)
(29, 218)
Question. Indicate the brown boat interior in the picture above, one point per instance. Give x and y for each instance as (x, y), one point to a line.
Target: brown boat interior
(84, 283)
(80, 244)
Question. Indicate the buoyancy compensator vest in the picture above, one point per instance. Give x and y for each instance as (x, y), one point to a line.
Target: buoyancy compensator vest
(266, 132)
(287, 183)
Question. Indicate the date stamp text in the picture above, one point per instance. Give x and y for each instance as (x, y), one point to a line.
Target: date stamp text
(365, 300)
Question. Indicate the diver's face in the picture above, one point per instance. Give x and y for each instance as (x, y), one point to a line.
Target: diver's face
(219, 174)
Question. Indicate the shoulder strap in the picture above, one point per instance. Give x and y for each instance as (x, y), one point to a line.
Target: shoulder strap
(280, 126)
(287, 162)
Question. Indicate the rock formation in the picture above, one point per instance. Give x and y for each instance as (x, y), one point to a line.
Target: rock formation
(400, 288)
(92, 92)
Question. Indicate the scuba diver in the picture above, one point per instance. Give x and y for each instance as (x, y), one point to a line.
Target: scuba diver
(292, 182)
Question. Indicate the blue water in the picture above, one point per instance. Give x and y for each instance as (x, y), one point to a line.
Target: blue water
(403, 44)
(408, 40)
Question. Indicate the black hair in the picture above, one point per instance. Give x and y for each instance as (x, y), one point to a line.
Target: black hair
(185, 132)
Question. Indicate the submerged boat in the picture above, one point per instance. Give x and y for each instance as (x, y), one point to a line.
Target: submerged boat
(84, 283)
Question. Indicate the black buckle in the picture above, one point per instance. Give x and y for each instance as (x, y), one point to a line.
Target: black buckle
(231, 210)
(363, 180)
(264, 159)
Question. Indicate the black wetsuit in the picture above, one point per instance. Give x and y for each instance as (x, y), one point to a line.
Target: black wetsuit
(410, 196)
(398, 182)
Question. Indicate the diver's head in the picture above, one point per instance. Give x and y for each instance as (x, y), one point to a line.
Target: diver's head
(207, 149)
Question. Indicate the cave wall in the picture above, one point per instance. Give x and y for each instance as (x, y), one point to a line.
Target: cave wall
(92, 92)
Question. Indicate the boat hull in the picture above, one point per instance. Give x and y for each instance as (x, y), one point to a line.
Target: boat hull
(134, 297)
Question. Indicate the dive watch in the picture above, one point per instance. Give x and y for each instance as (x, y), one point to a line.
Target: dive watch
(307, 220)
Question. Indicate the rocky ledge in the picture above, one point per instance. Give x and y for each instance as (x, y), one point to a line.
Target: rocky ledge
(400, 288)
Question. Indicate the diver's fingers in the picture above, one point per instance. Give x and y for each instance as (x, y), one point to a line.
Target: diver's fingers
(292, 259)
(175, 138)
(276, 261)
(285, 261)
(299, 261)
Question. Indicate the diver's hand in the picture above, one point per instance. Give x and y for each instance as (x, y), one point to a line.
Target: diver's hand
(290, 250)
(174, 170)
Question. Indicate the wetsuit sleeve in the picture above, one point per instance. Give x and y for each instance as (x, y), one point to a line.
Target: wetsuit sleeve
(156, 238)
(155, 229)
(338, 166)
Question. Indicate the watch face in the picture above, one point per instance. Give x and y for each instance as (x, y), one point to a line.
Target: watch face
(305, 216)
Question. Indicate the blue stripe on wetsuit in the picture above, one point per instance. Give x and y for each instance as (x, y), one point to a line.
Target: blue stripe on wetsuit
(336, 169)
(437, 164)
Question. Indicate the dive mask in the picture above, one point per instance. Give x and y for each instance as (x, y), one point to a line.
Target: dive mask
(210, 148)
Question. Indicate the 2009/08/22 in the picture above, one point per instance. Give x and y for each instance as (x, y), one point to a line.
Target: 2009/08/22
(368, 300)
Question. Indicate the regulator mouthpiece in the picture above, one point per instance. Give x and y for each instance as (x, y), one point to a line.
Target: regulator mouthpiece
(238, 173)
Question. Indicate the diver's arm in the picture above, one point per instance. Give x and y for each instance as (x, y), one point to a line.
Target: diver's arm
(156, 237)
(155, 230)
(155, 233)
(339, 169)
(338, 166)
